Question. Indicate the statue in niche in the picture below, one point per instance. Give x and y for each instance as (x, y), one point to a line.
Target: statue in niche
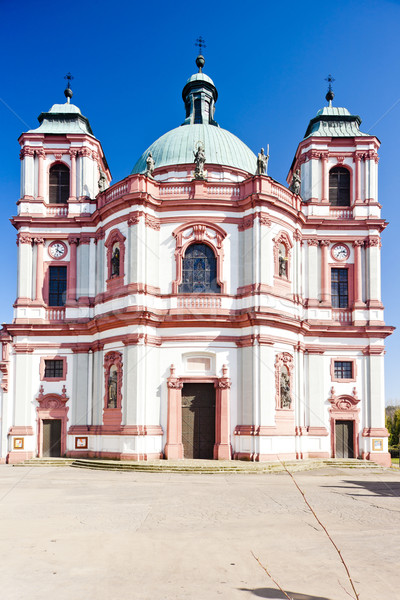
(112, 388)
(199, 160)
(295, 186)
(102, 183)
(262, 162)
(282, 262)
(115, 261)
(286, 399)
(150, 165)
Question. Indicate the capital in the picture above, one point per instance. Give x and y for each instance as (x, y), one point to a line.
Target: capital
(324, 242)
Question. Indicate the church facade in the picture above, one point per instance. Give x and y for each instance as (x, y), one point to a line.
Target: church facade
(197, 308)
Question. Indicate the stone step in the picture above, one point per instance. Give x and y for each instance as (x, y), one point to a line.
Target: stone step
(45, 462)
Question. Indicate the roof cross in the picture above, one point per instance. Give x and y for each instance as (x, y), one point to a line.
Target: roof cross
(200, 43)
(69, 78)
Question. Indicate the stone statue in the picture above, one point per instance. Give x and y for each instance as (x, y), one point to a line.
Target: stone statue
(295, 186)
(262, 162)
(102, 183)
(282, 264)
(115, 263)
(150, 165)
(112, 389)
(199, 159)
(286, 400)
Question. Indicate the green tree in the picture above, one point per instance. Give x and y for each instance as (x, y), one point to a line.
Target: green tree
(393, 424)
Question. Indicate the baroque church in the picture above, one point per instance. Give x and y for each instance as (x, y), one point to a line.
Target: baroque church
(197, 308)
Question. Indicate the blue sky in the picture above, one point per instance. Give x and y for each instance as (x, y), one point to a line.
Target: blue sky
(268, 60)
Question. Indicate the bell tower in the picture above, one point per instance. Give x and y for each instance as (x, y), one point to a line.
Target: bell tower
(63, 169)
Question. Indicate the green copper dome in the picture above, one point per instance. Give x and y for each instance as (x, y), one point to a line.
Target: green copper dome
(177, 147)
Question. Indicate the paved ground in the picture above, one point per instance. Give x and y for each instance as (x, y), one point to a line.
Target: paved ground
(81, 535)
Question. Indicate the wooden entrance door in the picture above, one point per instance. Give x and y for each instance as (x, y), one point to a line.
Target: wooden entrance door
(51, 437)
(344, 437)
(198, 420)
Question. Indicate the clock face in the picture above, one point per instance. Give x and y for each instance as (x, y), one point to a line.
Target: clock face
(340, 252)
(57, 250)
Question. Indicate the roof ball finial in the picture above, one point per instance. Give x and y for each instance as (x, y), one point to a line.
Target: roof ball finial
(329, 95)
(200, 59)
(68, 93)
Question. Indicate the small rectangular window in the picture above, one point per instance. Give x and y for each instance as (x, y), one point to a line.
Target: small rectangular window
(343, 369)
(57, 285)
(54, 368)
(340, 288)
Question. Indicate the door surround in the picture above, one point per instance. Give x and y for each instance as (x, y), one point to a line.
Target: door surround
(52, 406)
(222, 446)
(344, 408)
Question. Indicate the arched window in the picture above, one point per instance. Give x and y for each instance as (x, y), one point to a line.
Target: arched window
(58, 184)
(339, 187)
(199, 271)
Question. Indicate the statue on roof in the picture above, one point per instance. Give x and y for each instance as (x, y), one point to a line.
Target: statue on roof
(262, 162)
(102, 183)
(199, 160)
(295, 186)
(150, 165)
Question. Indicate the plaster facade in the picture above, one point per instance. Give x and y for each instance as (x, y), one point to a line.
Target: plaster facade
(272, 320)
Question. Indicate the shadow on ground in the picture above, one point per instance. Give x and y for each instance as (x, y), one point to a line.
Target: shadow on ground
(374, 488)
(275, 594)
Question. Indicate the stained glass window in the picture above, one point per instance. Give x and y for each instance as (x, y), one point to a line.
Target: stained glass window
(199, 271)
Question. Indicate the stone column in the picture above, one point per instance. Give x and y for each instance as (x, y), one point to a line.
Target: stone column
(72, 189)
(174, 447)
(222, 447)
(325, 279)
(71, 289)
(373, 246)
(357, 161)
(41, 156)
(325, 178)
(28, 191)
(24, 287)
(39, 269)
(312, 291)
(358, 303)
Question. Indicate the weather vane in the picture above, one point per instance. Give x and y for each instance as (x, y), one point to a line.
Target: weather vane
(200, 43)
(330, 95)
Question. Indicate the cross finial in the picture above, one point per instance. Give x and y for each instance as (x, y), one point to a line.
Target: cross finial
(68, 91)
(200, 43)
(69, 78)
(330, 95)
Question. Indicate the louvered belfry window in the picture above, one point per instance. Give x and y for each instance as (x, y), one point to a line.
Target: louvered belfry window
(58, 184)
(199, 271)
(339, 187)
(197, 111)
